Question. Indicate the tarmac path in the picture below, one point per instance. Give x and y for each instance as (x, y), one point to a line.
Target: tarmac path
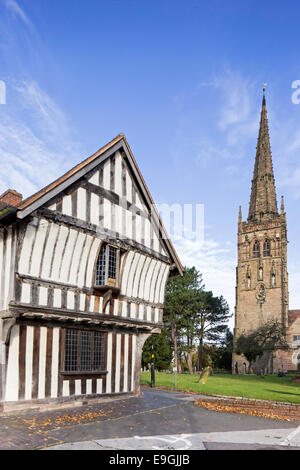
(158, 420)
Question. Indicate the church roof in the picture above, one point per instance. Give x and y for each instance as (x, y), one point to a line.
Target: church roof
(292, 316)
(263, 203)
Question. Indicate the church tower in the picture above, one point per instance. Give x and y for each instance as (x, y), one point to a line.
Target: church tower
(261, 274)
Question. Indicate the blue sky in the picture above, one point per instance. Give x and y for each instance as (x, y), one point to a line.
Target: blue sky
(182, 79)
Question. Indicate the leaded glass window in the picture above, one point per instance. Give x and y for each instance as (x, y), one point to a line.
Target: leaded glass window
(107, 266)
(84, 351)
(100, 268)
(71, 350)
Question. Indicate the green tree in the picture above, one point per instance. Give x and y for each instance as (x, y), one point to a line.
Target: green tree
(180, 304)
(211, 320)
(162, 351)
(269, 337)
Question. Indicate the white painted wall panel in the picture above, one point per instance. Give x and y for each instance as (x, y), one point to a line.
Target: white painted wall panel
(109, 363)
(126, 362)
(143, 278)
(38, 247)
(83, 261)
(95, 178)
(133, 361)
(82, 302)
(26, 249)
(95, 201)
(67, 205)
(66, 388)
(128, 186)
(126, 265)
(118, 362)
(133, 310)
(45, 273)
(12, 374)
(92, 303)
(106, 175)
(99, 386)
(43, 296)
(138, 228)
(78, 387)
(91, 262)
(54, 363)
(67, 257)
(137, 276)
(118, 174)
(58, 251)
(128, 225)
(57, 298)
(107, 214)
(70, 300)
(76, 258)
(8, 262)
(81, 204)
(147, 233)
(42, 362)
(89, 386)
(148, 279)
(154, 280)
(131, 274)
(1, 263)
(163, 285)
(25, 293)
(28, 362)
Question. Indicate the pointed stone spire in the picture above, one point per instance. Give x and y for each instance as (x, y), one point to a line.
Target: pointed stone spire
(240, 214)
(263, 203)
(282, 206)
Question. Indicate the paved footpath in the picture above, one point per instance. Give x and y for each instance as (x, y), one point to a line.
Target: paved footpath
(158, 419)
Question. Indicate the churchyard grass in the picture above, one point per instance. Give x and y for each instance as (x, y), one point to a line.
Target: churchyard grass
(270, 387)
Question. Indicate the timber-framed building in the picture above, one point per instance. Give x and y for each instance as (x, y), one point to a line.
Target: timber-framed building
(84, 266)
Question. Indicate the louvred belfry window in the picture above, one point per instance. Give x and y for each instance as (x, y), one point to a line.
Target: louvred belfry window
(107, 267)
(256, 250)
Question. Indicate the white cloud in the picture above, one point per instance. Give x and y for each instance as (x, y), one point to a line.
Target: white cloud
(36, 150)
(216, 263)
(17, 11)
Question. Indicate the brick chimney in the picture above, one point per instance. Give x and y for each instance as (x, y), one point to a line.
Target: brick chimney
(11, 197)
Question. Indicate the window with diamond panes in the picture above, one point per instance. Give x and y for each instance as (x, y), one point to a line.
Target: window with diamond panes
(107, 266)
(84, 351)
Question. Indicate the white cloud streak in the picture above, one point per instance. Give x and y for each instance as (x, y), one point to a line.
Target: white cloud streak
(36, 150)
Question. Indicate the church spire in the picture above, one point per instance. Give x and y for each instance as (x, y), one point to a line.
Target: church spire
(263, 203)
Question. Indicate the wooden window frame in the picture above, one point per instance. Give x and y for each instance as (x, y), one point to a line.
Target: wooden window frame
(108, 282)
(82, 373)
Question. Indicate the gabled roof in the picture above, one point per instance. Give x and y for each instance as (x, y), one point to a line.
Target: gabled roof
(30, 204)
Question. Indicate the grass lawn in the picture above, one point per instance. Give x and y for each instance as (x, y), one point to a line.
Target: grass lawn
(249, 386)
